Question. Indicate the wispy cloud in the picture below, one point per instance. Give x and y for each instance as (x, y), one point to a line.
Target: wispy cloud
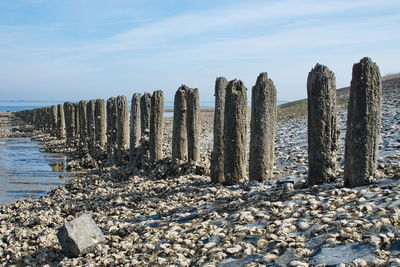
(193, 24)
(123, 49)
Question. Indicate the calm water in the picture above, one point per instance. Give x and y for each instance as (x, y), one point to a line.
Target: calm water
(22, 105)
(25, 171)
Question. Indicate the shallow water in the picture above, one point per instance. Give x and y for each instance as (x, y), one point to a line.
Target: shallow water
(25, 171)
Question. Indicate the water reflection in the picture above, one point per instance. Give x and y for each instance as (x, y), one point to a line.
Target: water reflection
(58, 166)
(25, 171)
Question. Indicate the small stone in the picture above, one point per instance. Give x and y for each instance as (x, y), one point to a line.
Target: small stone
(303, 226)
(360, 262)
(210, 245)
(298, 264)
(374, 240)
(234, 250)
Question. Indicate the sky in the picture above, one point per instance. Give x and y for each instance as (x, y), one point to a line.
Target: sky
(85, 49)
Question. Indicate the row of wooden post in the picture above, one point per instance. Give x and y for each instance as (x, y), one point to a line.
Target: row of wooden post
(97, 124)
(229, 162)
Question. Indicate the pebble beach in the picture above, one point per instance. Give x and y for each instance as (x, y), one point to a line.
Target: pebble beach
(159, 218)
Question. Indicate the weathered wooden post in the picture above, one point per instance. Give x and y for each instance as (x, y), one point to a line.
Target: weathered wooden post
(193, 124)
(179, 132)
(53, 118)
(122, 126)
(217, 161)
(60, 121)
(77, 124)
(42, 118)
(235, 132)
(91, 128)
(363, 124)
(111, 126)
(47, 122)
(100, 123)
(145, 110)
(262, 129)
(83, 124)
(135, 127)
(322, 130)
(156, 126)
(69, 112)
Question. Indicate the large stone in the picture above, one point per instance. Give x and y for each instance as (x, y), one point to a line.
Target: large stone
(79, 236)
(156, 126)
(193, 124)
(262, 129)
(235, 132)
(60, 121)
(179, 132)
(122, 126)
(343, 254)
(363, 124)
(145, 110)
(111, 125)
(135, 129)
(217, 161)
(100, 123)
(322, 129)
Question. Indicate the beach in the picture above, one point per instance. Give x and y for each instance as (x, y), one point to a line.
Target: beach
(159, 217)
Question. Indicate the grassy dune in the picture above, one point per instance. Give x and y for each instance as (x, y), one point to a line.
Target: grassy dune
(297, 109)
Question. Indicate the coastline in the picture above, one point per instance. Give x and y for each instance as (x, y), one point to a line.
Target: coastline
(185, 220)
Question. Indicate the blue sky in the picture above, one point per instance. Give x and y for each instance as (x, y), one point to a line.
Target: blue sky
(73, 50)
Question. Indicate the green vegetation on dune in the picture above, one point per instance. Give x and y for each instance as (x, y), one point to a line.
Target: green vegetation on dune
(292, 110)
(390, 75)
(298, 109)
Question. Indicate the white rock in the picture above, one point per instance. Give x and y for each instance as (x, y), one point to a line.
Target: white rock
(303, 225)
(360, 262)
(233, 250)
(298, 264)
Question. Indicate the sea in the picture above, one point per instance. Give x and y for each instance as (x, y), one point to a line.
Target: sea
(26, 170)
